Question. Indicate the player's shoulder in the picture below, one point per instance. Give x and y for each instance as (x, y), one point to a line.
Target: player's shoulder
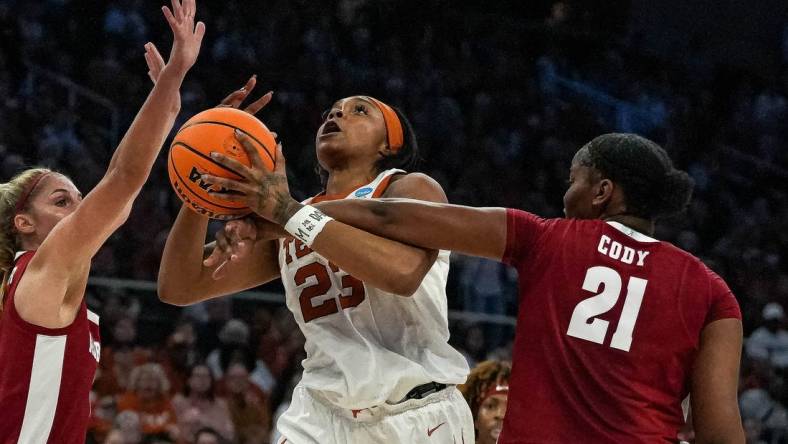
(691, 265)
(419, 179)
(415, 186)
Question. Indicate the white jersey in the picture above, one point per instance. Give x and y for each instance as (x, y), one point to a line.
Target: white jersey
(365, 346)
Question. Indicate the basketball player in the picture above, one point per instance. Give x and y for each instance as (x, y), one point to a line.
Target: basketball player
(379, 367)
(487, 392)
(49, 341)
(615, 328)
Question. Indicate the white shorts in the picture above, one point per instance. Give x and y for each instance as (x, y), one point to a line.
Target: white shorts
(439, 418)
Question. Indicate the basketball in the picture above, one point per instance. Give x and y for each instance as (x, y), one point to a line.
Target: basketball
(189, 158)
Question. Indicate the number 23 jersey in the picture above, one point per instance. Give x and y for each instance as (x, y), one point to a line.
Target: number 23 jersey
(365, 346)
(608, 328)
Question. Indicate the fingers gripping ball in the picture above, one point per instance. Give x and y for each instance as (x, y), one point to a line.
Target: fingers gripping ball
(189, 158)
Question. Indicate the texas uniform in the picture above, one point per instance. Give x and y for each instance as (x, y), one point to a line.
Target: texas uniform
(379, 368)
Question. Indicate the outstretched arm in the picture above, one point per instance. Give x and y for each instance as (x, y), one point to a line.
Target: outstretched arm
(432, 226)
(67, 250)
(468, 230)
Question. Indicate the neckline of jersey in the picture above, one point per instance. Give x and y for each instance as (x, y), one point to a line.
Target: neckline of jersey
(636, 235)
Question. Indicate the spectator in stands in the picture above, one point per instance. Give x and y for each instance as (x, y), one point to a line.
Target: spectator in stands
(148, 397)
(126, 430)
(179, 355)
(770, 341)
(248, 404)
(473, 347)
(765, 413)
(102, 417)
(197, 406)
(119, 358)
(208, 435)
(115, 436)
(487, 393)
(234, 346)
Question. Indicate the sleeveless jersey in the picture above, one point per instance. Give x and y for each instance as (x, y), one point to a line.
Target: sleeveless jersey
(365, 346)
(608, 328)
(45, 374)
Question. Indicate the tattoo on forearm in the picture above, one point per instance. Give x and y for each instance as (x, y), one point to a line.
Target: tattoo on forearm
(281, 213)
(271, 189)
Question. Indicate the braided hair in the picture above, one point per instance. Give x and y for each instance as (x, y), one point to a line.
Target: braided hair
(485, 375)
(652, 186)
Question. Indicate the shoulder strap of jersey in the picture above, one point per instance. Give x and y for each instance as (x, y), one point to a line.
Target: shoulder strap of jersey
(377, 187)
(21, 259)
(374, 189)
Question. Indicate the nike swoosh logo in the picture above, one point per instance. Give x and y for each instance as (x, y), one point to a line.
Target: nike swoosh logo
(431, 431)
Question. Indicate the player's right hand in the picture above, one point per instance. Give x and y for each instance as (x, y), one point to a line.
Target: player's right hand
(236, 239)
(187, 36)
(233, 243)
(235, 98)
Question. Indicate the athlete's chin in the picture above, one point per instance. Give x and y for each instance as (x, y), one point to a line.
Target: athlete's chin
(328, 146)
(495, 433)
(329, 153)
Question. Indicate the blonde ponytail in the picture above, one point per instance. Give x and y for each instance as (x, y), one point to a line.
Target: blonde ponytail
(11, 192)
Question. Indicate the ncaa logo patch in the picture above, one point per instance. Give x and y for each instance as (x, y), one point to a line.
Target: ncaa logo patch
(363, 191)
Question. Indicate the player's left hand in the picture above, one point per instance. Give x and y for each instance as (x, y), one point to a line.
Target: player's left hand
(265, 192)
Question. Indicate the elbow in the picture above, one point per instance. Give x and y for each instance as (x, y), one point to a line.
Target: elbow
(405, 281)
(171, 295)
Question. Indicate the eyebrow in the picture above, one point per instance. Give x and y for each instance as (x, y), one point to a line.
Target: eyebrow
(64, 191)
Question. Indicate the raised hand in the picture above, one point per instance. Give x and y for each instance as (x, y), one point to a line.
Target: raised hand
(154, 60)
(265, 192)
(235, 98)
(187, 39)
(236, 239)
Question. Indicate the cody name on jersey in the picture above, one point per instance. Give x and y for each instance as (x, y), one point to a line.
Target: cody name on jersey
(365, 346)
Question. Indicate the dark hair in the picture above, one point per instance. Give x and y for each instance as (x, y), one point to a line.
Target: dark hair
(484, 375)
(407, 158)
(653, 188)
(187, 390)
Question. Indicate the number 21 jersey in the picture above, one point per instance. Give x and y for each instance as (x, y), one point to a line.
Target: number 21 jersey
(608, 328)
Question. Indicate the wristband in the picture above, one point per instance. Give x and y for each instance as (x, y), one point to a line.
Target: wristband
(306, 224)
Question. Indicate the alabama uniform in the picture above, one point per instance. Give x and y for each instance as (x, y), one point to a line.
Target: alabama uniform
(608, 327)
(46, 374)
(379, 367)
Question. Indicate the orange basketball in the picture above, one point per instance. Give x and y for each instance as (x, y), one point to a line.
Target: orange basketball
(213, 130)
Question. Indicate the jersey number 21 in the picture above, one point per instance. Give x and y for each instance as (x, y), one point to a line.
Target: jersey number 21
(596, 330)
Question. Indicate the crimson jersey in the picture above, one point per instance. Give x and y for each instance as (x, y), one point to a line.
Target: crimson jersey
(608, 328)
(46, 374)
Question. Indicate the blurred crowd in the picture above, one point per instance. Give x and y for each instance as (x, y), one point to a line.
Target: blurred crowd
(497, 125)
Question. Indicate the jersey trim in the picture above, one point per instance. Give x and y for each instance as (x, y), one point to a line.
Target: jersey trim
(383, 186)
(10, 303)
(93, 317)
(636, 235)
(44, 389)
(374, 189)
